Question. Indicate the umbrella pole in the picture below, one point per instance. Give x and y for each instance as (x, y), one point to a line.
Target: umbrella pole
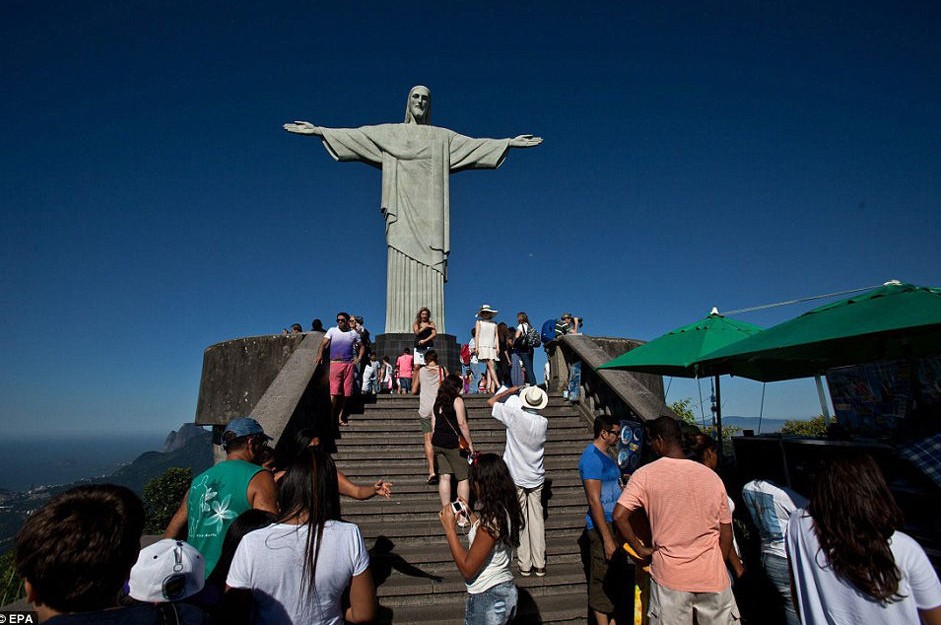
(718, 417)
(824, 409)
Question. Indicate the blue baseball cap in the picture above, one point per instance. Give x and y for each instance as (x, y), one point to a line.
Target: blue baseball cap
(243, 426)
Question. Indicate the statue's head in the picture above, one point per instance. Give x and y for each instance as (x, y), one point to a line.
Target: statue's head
(418, 107)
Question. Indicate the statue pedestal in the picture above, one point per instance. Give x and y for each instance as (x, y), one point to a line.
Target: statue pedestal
(392, 344)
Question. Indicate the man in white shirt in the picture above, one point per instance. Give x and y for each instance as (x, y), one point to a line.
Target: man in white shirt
(525, 445)
(346, 351)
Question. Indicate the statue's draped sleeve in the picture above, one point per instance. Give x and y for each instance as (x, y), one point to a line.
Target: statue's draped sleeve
(416, 162)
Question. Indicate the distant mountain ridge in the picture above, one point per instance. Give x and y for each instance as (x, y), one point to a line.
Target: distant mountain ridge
(768, 426)
(189, 447)
(178, 439)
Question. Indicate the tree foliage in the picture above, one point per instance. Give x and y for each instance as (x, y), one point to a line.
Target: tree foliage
(162, 497)
(684, 410)
(11, 586)
(799, 427)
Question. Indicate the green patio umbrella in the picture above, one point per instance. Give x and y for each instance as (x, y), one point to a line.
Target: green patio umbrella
(677, 352)
(894, 321)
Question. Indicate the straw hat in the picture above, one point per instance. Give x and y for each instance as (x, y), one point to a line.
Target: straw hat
(486, 309)
(534, 398)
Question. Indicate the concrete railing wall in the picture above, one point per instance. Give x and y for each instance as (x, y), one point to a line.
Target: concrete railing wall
(271, 378)
(623, 394)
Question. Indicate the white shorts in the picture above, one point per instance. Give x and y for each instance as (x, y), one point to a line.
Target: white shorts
(418, 356)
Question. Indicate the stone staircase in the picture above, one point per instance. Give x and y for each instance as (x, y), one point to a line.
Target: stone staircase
(416, 578)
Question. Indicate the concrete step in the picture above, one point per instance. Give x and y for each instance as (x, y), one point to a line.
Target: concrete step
(426, 529)
(381, 453)
(360, 432)
(385, 556)
(363, 473)
(553, 415)
(416, 577)
(470, 404)
(423, 588)
(405, 507)
(415, 463)
(562, 607)
(472, 399)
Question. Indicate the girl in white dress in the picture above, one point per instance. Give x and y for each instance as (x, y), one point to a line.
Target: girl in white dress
(485, 333)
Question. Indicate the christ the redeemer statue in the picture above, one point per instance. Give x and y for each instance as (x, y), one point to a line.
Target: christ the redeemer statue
(416, 159)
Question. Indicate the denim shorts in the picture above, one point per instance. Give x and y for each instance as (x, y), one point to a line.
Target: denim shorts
(494, 606)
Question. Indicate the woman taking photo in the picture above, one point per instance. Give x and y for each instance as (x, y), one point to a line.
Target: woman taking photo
(448, 425)
(425, 333)
(494, 533)
(849, 562)
(488, 349)
(297, 569)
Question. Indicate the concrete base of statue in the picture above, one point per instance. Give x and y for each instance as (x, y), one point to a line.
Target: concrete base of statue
(392, 344)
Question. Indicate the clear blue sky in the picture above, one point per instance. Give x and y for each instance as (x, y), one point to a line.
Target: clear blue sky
(722, 154)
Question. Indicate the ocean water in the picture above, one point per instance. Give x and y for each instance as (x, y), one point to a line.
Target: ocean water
(28, 462)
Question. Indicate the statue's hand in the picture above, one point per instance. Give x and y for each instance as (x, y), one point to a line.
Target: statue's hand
(303, 128)
(524, 141)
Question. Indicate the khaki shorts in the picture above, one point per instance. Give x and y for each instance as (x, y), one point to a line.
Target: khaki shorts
(450, 461)
(674, 607)
(425, 424)
(609, 582)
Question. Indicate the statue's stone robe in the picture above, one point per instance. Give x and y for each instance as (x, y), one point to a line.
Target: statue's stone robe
(416, 162)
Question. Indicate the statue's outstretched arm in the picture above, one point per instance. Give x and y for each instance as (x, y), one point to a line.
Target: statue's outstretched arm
(305, 128)
(522, 141)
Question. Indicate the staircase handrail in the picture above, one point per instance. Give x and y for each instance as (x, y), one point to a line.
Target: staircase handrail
(622, 394)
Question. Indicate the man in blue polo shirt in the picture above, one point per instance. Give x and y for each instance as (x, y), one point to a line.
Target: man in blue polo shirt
(606, 562)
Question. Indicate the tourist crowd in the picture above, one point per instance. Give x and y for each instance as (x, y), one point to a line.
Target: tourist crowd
(259, 537)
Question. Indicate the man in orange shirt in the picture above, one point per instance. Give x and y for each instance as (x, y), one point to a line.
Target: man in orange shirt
(691, 529)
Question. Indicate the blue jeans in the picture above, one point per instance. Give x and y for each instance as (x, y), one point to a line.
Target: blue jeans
(527, 358)
(494, 606)
(776, 569)
(516, 368)
(575, 379)
(474, 369)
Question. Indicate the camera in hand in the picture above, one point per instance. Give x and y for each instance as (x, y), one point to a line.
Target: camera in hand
(458, 508)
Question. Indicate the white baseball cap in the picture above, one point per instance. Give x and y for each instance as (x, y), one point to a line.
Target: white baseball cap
(168, 570)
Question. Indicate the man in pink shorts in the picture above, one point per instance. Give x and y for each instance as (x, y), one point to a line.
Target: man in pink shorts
(346, 350)
(404, 364)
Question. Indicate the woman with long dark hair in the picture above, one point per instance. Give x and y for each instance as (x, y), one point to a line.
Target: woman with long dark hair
(522, 369)
(505, 339)
(297, 569)
(494, 534)
(288, 449)
(705, 451)
(448, 425)
(849, 562)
